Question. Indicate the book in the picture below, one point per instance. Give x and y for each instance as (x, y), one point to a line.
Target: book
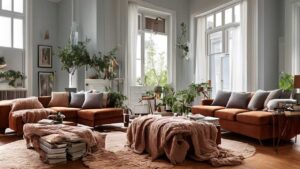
(196, 116)
(52, 145)
(56, 161)
(75, 147)
(56, 156)
(46, 121)
(77, 154)
(52, 150)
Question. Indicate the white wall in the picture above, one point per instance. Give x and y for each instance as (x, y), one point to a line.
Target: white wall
(269, 30)
(44, 18)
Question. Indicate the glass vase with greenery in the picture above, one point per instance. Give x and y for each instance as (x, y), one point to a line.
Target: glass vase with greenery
(73, 57)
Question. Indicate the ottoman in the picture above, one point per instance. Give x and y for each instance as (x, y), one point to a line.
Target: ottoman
(96, 117)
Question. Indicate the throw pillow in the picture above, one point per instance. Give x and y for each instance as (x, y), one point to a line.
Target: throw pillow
(221, 99)
(274, 94)
(92, 101)
(258, 100)
(238, 100)
(26, 103)
(59, 99)
(77, 99)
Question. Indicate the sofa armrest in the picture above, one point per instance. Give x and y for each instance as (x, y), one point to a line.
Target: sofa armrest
(5, 107)
(45, 100)
(207, 102)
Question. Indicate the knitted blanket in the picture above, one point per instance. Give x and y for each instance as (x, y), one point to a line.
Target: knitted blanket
(32, 133)
(33, 115)
(178, 138)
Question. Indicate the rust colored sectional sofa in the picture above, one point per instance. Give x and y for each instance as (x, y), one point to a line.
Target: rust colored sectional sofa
(89, 117)
(255, 124)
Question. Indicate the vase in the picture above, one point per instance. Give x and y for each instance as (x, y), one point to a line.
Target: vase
(73, 80)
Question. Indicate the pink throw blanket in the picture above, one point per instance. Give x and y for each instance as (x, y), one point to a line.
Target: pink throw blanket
(32, 133)
(177, 138)
(33, 115)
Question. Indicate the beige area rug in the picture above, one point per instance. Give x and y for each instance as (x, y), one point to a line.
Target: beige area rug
(15, 155)
(119, 156)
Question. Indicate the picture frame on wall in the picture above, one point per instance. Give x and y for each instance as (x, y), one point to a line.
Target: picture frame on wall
(46, 83)
(44, 56)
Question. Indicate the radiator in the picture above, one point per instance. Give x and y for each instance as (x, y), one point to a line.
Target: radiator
(9, 94)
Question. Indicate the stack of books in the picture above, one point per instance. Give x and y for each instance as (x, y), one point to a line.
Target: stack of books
(76, 150)
(55, 153)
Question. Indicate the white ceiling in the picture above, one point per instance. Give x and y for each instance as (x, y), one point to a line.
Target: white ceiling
(55, 1)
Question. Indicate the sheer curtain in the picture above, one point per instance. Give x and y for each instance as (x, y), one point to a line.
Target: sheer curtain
(132, 41)
(201, 57)
(237, 60)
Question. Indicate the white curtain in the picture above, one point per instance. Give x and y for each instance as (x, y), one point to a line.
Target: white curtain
(201, 74)
(237, 60)
(132, 41)
(239, 56)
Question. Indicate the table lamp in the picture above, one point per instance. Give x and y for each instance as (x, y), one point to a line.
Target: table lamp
(296, 87)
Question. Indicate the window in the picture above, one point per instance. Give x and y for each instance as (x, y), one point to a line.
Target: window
(12, 23)
(152, 50)
(222, 44)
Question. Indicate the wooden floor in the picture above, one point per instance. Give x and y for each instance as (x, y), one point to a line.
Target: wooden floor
(288, 156)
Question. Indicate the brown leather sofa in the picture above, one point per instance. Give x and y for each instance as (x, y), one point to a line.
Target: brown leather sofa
(255, 124)
(89, 117)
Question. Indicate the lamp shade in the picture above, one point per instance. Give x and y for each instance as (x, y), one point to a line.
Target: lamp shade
(297, 81)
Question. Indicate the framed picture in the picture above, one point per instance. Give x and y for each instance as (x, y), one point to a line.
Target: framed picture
(44, 56)
(46, 83)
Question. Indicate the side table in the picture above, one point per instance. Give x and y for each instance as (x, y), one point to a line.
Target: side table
(282, 118)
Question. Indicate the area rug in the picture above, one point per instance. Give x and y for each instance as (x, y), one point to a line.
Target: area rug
(15, 155)
(119, 156)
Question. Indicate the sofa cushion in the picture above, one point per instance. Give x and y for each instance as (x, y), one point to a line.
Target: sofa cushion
(26, 103)
(221, 99)
(238, 100)
(205, 110)
(274, 94)
(59, 99)
(92, 101)
(69, 112)
(229, 114)
(255, 117)
(77, 99)
(258, 99)
(104, 113)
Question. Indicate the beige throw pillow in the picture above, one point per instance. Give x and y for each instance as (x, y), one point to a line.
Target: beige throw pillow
(59, 99)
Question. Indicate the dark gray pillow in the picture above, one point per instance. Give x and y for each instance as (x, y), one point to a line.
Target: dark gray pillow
(257, 101)
(238, 100)
(77, 99)
(221, 99)
(274, 94)
(92, 101)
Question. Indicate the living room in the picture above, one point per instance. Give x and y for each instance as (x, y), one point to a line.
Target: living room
(125, 83)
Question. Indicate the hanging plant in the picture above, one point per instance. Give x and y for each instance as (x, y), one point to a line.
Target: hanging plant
(183, 44)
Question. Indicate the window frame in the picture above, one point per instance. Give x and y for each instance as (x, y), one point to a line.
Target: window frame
(143, 13)
(14, 15)
(224, 29)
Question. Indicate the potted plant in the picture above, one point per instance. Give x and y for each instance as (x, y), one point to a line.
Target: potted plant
(73, 57)
(104, 65)
(116, 99)
(12, 77)
(168, 97)
(286, 83)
